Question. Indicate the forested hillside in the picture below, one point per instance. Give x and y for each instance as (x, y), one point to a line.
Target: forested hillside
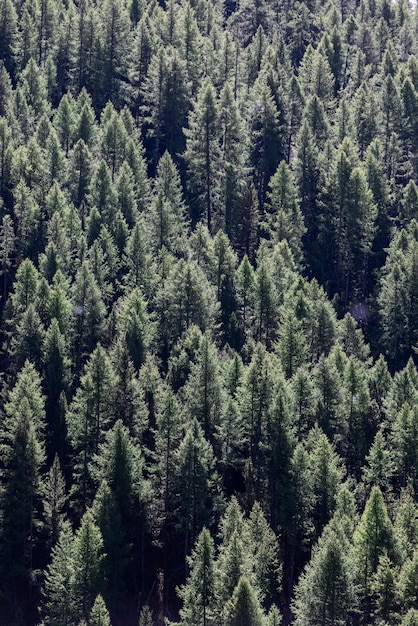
(209, 312)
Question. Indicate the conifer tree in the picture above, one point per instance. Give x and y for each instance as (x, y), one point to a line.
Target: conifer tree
(54, 501)
(267, 147)
(198, 593)
(90, 416)
(87, 565)
(58, 605)
(114, 49)
(372, 538)
(196, 483)
(243, 608)
(203, 390)
(284, 218)
(203, 156)
(325, 593)
(88, 314)
(23, 457)
(233, 157)
(99, 615)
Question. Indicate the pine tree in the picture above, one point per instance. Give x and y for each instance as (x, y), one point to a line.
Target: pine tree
(80, 173)
(325, 592)
(203, 156)
(87, 565)
(88, 312)
(196, 483)
(54, 501)
(267, 147)
(191, 40)
(199, 590)
(187, 298)
(99, 615)
(372, 538)
(138, 259)
(325, 467)
(56, 379)
(233, 157)
(165, 93)
(256, 396)
(406, 524)
(58, 605)
(136, 327)
(204, 391)
(168, 214)
(90, 416)
(64, 122)
(7, 246)
(114, 50)
(22, 459)
(9, 36)
(263, 549)
(284, 218)
(243, 608)
(385, 590)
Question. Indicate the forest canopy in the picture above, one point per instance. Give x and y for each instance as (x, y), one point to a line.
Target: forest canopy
(209, 312)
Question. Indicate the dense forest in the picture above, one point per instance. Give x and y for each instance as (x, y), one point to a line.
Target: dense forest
(208, 312)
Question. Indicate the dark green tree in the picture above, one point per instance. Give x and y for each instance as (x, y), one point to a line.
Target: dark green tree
(196, 484)
(198, 593)
(243, 608)
(58, 605)
(325, 593)
(87, 559)
(203, 156)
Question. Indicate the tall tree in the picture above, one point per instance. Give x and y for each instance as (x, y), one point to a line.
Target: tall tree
(198, 593)
(196, 484)
(58, 606)
(325, 593)
(87, 565)
(203, 156)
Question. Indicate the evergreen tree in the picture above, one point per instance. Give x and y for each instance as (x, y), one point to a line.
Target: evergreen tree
(87, 565)
(58, 605)
(196, 483)
(198, 592)
(203, 390)
(284, 218)
(325, 593)
(23, 457)
(233, 158)
(243, 608)
(88, 314)
(99, 615)
(267, 147)
(203, 156)
(54, 501)
(90, 416)
(114, 49)
(372, 538)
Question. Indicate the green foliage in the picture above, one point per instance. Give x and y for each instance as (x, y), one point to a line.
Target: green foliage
(373, 538)
(243, 608)
(198, 592)
(325, 593)
(99, 615)
(208, 237)
(87, 564)
(58, 603)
